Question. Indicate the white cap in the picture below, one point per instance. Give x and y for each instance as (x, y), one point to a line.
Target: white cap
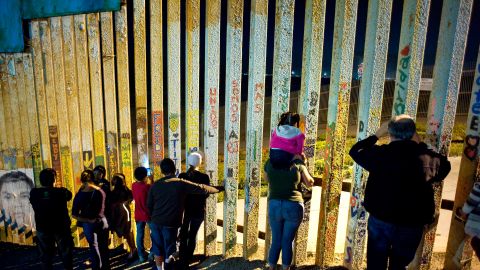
(194, 159)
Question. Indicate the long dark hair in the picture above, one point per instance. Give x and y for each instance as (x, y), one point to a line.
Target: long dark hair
(289, 118)
(190, 171)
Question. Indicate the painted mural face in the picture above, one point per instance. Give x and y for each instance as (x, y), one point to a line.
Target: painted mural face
(14, 198)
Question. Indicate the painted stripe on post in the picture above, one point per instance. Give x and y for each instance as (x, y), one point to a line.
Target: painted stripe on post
(336, 133)
(81, 53)
(33, 127)
(139, 46)
(108, 61)
(211, 122)
(369, 116)
(14, 111)
(173, 66)
(233, 88)
(121, 35)
(192, 58)
(22, 107)
(40, 84)
(467, 176)
(310, 100)
(71, 88)
(156, 71)
(443, 99)
(255, 115)
(410, 56)
(96, 90)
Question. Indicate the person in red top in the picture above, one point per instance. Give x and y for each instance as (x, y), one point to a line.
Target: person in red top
(140, 192)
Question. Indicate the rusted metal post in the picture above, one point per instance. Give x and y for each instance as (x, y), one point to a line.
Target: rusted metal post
(140, 51)
(84, 101)
(337, 120)
(410, 56)
(443, 99)
(255, 114)
(233, 86)
(3, 135)
(14, 111)
(192, 58)
(156, 71)
(211, 122)
(310, 100)
(369, 116)
(22, 110)
(9, 156)
(467, 176)
(173, 70)
(121, 36)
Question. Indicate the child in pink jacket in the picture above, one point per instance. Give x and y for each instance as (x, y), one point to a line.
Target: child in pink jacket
(287, 141)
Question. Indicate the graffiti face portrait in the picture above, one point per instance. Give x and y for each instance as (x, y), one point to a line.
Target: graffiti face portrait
(15, 189)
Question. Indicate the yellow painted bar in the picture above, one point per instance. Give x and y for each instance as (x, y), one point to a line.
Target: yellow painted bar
(7, 136)
(192, 70)
(32, 110)
(108, 60)
(139, 46)
(81, 57)
(14, 110)
(96, 87)
(40, 95)
(22, 107)
(156, 71)
(3, 135)
(173, 69)
(121, 35)
(50, 96)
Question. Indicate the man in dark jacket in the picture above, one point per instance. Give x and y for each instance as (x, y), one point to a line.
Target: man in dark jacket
(53, 222)
(166, 203)
(399, 192)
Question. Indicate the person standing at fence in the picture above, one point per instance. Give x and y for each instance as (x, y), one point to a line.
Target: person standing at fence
(51, 217)
(471, 213)
(194, 209)
(88, 209)
(285, 208)
(166, 203)
(121, 219)
(399, 191)
(142, 217)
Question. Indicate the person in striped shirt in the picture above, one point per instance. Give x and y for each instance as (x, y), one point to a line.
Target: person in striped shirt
(471, 213)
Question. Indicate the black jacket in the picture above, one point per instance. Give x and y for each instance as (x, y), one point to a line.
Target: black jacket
(50, 206)
(399, 188)
(166, 199)
(195, 204)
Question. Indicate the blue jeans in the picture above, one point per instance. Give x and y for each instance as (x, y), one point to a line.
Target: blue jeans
(140, 239)
(188, 237)
(391, 243)
(97, 238)
(285, 218)
(164, 241)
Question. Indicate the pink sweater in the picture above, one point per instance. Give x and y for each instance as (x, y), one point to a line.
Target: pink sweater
(288, 138)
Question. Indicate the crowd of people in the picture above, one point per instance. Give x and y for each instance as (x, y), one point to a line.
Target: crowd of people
(399, 198)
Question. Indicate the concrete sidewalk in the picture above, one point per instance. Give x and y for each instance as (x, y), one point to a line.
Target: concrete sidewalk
(441, 239)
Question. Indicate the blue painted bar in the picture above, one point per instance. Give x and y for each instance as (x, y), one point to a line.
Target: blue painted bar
(11, 34)
(32, 9)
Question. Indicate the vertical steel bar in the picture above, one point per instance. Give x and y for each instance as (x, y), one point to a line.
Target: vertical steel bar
(96, 90)
(211, 101)
(468, 174)
(156, 71)
(192, 58)
(108, 60)
(369, 116)
(310, 100)
(233, 88)
(173, 73)
(32, 110)
(61, 98)
(337, 120)
(255, 115)
(40, 84)
(140, 48)
(443, 99)
(3, 135)
(410, 56)
(9, 155)
(22, 108)
(83, 72)
(121, 35)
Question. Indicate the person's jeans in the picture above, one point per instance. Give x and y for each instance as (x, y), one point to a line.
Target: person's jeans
(392, 244)
(46, 243)
(285, 218)
(188, 237)
(164, 241)
(140, 239)
(97, 238)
